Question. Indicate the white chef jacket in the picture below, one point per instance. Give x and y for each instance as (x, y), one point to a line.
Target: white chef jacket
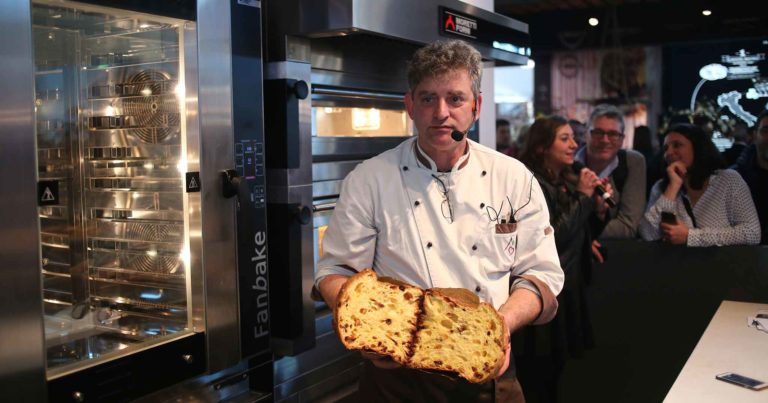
(390, 216)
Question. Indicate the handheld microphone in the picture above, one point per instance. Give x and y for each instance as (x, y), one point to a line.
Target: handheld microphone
(577, 167)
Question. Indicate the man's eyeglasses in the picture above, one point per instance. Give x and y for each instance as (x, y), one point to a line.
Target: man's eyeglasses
(445, 206)
(612, 134)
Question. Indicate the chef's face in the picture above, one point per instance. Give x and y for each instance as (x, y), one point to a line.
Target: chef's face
(560, 154)
(438, 106)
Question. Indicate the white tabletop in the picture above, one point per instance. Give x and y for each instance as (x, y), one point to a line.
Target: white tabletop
(728, 345)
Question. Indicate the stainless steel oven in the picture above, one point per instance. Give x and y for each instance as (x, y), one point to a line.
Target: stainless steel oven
(335, 79)
(134, 236)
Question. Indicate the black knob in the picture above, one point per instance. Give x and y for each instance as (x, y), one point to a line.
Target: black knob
(303, 214)
(230, 183)
(300, 89)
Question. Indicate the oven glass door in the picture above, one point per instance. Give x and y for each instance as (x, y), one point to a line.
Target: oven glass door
(343, 112)
(109, 89)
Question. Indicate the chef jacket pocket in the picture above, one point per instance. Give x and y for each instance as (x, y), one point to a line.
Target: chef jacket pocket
(506, 245)
(497, 247)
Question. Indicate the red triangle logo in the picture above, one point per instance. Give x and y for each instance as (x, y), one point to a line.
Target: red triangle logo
(449, 23)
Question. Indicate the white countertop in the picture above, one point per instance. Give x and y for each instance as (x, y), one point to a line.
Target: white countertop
(727, 345)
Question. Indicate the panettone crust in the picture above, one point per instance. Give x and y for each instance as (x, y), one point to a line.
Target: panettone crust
(446, 330)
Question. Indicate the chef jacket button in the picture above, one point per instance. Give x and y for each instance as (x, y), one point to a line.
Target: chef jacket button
(405, 168)
(483, 173)
(416, 203)
(482, 205)
(478, 289)
(474, 247)
(429, 244)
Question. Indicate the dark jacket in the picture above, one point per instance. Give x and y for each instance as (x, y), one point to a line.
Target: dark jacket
(732, 154)
(757, 180)
(572, 215)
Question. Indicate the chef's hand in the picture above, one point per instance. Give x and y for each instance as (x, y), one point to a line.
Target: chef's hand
(379, 360)
(507, 350)
(676, 234)
(330, 288)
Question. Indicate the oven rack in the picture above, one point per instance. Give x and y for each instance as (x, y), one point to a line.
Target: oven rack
(138, 306)
(134, 152)
(134, 90)
(148, 285)
(127, 184)
(129, 122)
(105, 272)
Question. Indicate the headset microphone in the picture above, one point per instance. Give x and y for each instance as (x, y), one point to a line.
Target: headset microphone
(577, 167)
(458, 135)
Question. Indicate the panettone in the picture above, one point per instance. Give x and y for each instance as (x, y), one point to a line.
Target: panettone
(436, 329)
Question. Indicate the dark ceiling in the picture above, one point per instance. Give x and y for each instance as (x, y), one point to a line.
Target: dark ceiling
(557, 25)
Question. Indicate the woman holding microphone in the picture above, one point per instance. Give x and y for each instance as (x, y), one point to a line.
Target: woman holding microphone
(577, 215)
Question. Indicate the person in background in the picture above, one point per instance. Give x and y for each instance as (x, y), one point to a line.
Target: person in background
(625, 169)
(579, 132)
(699, 204)
(504, 138)
(753, 167)
(740, 138)
(519, 143)
(437, 212)
(704, 122)
(642, 142)
(656, 167)
(577, 214)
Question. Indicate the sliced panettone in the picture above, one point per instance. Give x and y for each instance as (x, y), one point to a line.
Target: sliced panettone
(437, 329)
(379, 316)
(459, 335)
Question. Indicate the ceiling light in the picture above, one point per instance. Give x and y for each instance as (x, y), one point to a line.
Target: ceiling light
(593, 21)
(706, 13)
(530, 64)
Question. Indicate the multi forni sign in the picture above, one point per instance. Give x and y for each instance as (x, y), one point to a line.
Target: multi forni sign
(458, 24)
(474, 29)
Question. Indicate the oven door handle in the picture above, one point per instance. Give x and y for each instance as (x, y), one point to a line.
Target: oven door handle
(318, 208)
(357, 94)
(230, 183)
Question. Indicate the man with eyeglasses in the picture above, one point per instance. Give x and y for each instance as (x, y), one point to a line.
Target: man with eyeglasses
(625, 168)
(443, 211)
(753, 167)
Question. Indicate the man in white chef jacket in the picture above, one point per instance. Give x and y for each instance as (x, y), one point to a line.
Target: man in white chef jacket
(441, 212)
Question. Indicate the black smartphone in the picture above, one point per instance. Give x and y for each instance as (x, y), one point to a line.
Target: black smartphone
(742, 381)
(668, 218)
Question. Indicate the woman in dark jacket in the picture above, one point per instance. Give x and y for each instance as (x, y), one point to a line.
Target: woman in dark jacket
(577, 215)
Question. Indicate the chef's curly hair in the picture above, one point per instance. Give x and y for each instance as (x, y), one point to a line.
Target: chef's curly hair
(441, 57)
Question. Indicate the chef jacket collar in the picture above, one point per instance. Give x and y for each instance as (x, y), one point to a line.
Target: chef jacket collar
(424, 159)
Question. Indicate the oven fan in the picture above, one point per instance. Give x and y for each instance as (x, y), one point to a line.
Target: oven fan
(156, 115)
(155, 263)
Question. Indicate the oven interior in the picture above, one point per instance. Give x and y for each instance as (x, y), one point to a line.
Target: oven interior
(110, 127)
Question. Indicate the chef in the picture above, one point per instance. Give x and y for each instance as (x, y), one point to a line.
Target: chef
(444, 211)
